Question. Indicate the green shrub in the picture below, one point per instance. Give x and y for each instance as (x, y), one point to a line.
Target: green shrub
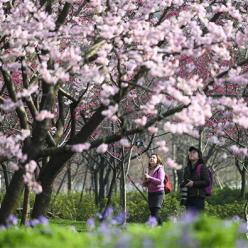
(67, 206)
(226, 210)
(223, 203)
(224, 196)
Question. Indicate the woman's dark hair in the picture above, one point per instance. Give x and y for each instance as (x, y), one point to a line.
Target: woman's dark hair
(200, 160)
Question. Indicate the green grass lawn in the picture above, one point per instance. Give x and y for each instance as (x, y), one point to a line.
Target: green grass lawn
(80, 226)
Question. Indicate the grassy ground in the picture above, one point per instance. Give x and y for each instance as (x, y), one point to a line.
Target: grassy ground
(80, 226)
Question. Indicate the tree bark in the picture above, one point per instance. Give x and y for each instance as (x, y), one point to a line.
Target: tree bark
(25, 208)
(12, 196)
(46, 178)
(95, 178)
(57, 163)
(123, 199)
(69, 180)
(5, 174)
(101, 184)
(82, 191)
(243, 184)
(111, 188)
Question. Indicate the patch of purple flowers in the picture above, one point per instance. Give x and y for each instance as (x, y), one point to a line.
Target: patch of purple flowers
(119, 219)
(41, 220)
(107, 213)
(187, 240)
(91, 224)
(152, 221)
(189, 217)
(11, 221)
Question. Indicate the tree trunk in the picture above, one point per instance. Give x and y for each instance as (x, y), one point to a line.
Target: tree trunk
(5, 174)
(101, 184)
(57, 163)
(61, 184)
(25, 208)
(123, 199)
(69, 181)
(243, 183)
(12, 196)
(111, 188)
(82, 191)
(59, 188)
(46, 177)
(242, 172)
(95, 178)
(175, 176)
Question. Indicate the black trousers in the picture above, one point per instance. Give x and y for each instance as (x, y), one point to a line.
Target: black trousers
(155, 201)
(155, 213)
(195, 204)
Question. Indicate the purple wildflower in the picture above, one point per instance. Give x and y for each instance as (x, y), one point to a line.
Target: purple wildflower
(104, 229)
(119, 219)
(107, 213)
(152, 222)
(243, 228)
(240, 243)
(148, 243)
(12, 220)
(189, 217)
(43, 220)
(123, 242)
(187, 240)
(32, 223)
(91, 223)
(235, 218)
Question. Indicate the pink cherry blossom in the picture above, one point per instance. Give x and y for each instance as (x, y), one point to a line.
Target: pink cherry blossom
(142, 121)
(44, 114)
(81, 147)
(162, 146)
(124, 142)
(30, 166)
(172, 164)
(152, 130)
(102, 148)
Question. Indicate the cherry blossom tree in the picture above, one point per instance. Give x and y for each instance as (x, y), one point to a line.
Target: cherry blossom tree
(68, 68)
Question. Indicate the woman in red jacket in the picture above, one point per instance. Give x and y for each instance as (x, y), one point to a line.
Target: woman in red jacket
(154, 181)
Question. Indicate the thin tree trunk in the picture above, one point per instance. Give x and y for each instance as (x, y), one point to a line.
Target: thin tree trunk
(243, 184)
(123, 179)
(59, 188)
(95, 178)
(112, 184)
(101, 184)
(5, 174)
(82, 191)
(242, 172)
(175, 176)
(61, 183)
(69, 181)
(123, 186)
(26, 207)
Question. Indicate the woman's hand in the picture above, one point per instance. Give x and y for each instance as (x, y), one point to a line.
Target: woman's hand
(189, 184)
(146, 176)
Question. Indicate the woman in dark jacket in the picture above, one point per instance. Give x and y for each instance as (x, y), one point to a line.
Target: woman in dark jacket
(195, 182)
